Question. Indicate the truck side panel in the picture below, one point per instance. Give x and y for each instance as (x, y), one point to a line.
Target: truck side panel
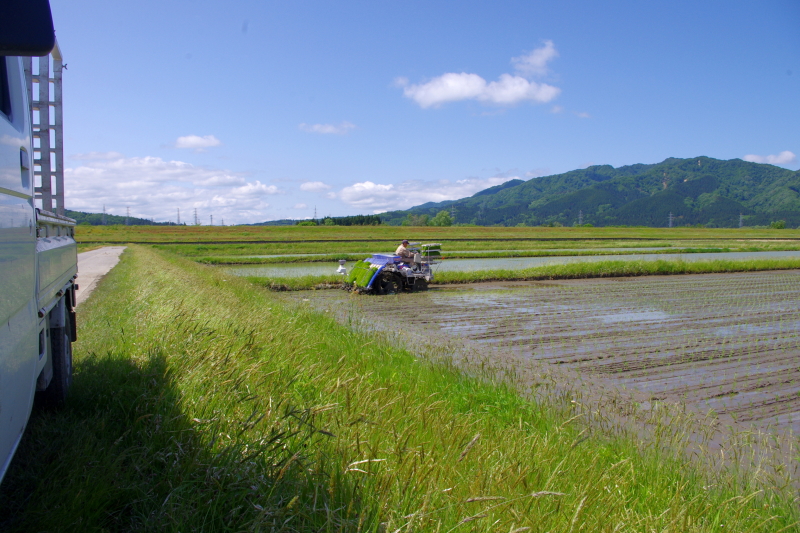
(58, 263)
(19, 323)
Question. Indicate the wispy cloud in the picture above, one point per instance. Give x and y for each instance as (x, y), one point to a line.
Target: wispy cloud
(535, 62)
(380, 197)
(784, 158)
(328, 129)
(196, 142)
(507, 90)
(154, 188)
(314, 186)
(299, 206)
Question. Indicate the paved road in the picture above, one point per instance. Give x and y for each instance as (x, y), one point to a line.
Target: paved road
(94, 265)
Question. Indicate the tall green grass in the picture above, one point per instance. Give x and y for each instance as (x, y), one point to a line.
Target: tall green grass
(201, 404)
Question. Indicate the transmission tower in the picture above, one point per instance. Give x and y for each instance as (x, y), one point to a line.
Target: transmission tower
(196, 222)
(212, 220)
(179, 216)
(104, 214)
(127, 216)
(580, 217)
(741, 220)
(670, 219)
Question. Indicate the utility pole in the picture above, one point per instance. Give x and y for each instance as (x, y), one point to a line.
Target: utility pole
(670, 219)
(179, 216)
(196, 222)
(580, 217)
(127, 216)
(741, 220)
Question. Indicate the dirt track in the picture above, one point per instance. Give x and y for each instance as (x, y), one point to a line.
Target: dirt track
(728, 343)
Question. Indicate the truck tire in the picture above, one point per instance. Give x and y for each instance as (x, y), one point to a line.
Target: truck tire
(389, 283)
(61, 350)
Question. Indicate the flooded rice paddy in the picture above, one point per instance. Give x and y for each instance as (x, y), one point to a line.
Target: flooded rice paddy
(726, 343)
(287, 270)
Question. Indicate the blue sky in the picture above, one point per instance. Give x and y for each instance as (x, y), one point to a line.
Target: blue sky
(252, 110)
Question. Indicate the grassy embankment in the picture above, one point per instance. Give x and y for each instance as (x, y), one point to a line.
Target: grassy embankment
(206, 405)
(597, 269)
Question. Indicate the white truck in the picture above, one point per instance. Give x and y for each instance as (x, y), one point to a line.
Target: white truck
(38, 253)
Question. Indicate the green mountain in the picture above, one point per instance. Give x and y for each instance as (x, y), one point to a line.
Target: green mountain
(701, 190)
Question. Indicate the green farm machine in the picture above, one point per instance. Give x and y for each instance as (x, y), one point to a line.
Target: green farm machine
(390, 274)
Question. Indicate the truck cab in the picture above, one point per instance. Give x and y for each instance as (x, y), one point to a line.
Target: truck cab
(38, 253)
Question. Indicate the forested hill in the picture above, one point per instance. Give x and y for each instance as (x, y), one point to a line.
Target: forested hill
(701, 190)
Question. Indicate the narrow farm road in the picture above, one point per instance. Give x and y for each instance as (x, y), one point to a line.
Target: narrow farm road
(92, 266)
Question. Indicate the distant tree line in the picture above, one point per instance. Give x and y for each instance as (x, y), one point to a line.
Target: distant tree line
(355, 220)
(96, 219)
(442, 218)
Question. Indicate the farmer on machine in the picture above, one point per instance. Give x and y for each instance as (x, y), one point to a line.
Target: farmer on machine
(406, 255)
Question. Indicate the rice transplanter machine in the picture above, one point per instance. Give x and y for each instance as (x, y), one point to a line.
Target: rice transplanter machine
(389, 274)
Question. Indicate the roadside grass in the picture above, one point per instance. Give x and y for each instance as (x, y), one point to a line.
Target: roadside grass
(577, 270)
(201, 403)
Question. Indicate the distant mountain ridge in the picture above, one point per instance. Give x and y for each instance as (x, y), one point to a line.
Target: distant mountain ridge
(700, 190)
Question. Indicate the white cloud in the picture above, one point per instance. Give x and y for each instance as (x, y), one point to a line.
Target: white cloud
(314, 186)
(154, 188)
(582, 115)
(379, 197)
(453, 87)
(195, 142)
(222, 180)
(299, 206)
(556, 109)
(337, 129)
(507, 90)
(535, 63)
(784, 158)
